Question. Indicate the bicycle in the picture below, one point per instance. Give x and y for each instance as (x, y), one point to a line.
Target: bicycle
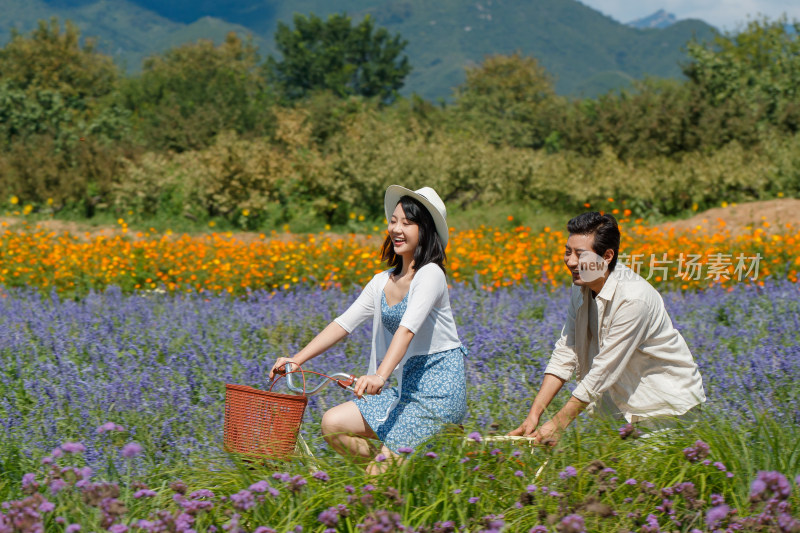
(266, 424)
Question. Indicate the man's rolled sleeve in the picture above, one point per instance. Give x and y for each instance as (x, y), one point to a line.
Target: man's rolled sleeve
(563, 359)
(627, 331)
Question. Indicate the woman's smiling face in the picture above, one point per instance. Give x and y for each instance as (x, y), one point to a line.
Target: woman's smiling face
(404, 233)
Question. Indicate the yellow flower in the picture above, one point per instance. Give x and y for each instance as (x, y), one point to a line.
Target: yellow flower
(14, 200)
(327, 227)
(27, 209)
(361, 218)
(49, 201)
(120, 221)
(245, 212)
(211, 223)
(352, 216)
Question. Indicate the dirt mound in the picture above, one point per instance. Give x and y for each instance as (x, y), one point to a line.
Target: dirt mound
(771, 215)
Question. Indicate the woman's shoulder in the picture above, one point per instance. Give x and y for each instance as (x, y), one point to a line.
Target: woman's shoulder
(431, 271)
(382, 275)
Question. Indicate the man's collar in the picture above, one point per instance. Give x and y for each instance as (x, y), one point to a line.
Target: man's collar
(610, 286)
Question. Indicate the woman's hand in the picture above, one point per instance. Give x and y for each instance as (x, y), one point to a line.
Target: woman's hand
(280, 366)
(527, 427)
(371, 384)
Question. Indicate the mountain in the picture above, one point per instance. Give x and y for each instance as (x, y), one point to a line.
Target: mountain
(659, 20)
(586, 52)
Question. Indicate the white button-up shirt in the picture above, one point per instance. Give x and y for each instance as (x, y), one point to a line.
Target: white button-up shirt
(640, 362)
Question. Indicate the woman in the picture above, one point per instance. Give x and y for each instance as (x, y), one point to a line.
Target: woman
(413, 332)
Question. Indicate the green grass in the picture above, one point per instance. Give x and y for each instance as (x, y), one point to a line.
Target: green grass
(495, 479)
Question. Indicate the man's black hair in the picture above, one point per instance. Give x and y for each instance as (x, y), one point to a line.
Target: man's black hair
(605, 231)
(430, 248)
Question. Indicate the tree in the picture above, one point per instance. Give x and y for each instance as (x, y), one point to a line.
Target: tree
(510, 98)
(750, 77)
(54, 60)
(334, 55)
(191, 93)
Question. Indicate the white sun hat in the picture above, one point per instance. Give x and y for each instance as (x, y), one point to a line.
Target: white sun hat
(427, 197)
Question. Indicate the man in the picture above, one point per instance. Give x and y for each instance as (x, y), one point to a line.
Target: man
(630, 360)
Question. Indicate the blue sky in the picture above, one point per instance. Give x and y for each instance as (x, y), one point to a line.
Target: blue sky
(724, 14)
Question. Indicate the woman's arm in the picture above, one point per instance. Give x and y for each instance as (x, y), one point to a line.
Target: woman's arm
(326, 338)
(372, 384)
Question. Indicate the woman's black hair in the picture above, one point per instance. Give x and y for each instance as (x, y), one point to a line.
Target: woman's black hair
(605, 231)
(430, 248)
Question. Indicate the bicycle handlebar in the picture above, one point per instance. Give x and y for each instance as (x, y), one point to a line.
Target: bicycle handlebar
(344, 380)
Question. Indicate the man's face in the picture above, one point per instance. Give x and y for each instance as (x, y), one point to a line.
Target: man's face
(582, 262)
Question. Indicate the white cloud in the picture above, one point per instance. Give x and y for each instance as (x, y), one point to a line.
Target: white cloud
(724, 14)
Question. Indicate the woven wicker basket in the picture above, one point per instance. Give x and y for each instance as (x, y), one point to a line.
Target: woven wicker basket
(260, 423)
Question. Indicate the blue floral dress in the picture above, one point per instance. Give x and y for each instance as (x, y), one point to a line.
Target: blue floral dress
(434, 393)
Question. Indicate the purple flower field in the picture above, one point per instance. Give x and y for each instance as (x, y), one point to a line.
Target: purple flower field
(157, 365)
(108, 401)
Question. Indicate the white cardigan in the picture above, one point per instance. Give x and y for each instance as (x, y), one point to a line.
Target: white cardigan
(428, 315)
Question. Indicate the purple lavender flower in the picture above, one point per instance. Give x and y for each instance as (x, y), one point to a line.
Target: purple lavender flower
(243, 500)
(380, 458)
(631, 481)
(349, 489)
(109, 426)
(698, 452)
(651, 524)
(629, 430)
(144, 493)
(329, 517)
(178, 486)
(130, 450)
(715, 515)
(118, 528)
(264, 529)
(381, 521)
(296, 483)
(767, 483)
(519, 473)
(538, 529)
(73, 447)
(72, 528)
(405, 450)
(573, 523)
(474, 499)
(568, 472)
(432, 455)
(475, 436)
(46, 506)
(283, 476)
(320, 475)
(496, 451)
(207, 494)
(456, 491)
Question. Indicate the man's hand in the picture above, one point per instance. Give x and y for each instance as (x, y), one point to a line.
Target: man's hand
(548, 434)
(527, 427)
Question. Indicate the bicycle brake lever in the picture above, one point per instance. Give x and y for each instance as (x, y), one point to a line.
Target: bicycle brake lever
(347, 383)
